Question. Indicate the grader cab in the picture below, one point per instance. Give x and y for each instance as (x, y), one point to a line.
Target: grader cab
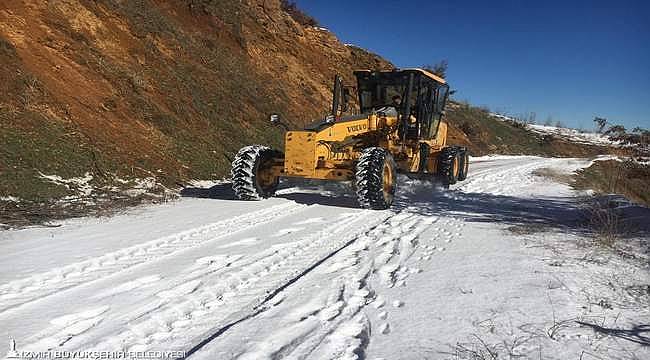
(400, 128)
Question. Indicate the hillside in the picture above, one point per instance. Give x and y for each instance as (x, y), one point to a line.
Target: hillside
(138, 88)
(96, 96)
(483, 134)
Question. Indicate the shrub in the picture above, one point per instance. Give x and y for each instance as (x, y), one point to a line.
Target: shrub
(297, 14)
(615, 130)
(439, 68)
(467, 128)
(604, 220)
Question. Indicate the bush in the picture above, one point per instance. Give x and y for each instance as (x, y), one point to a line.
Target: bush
(467, 128)
(439, 68)
(604, 220)
(298, 15)
(638, 136)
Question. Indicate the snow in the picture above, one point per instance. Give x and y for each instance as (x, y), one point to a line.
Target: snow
(79, 184)
(205, 183)
(308, 274)
(573, 135)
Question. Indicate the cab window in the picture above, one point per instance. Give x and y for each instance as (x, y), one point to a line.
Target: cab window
(439, 99)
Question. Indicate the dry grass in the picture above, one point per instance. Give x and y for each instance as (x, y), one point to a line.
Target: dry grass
(604, 221)
(101, 204)
(529, 229)
(602, 212)
(628, 178)
(555, 175)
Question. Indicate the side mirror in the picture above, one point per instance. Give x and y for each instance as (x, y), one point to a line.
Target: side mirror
(277, 121)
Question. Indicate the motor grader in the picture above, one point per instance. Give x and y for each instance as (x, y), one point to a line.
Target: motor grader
(399, 127)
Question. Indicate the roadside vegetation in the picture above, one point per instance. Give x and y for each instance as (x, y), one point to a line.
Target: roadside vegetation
(484, 134)
(628, 178)
(628, 175)
(297, 14)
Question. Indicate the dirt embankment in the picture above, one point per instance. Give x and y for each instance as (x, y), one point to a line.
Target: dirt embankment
(169, 89)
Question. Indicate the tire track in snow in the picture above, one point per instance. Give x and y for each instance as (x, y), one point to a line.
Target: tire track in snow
(387, 247)
(332, 323)
(35, 287)
(497, 181)
(236, 292)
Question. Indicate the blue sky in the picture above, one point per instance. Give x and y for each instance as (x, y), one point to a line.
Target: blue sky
(571, 60)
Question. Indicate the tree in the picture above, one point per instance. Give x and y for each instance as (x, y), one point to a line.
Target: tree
(297, 14)
(549, 121)
(600, 124)
(439, 68)
(615, 130)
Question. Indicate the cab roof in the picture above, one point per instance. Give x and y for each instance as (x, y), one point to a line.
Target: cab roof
(417, 70)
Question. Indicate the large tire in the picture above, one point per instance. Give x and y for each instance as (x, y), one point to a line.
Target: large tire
(248, 182)
(464, 164)
(376, 178)
(449, 165)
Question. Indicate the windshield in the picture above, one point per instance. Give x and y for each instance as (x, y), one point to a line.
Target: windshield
(376, 91)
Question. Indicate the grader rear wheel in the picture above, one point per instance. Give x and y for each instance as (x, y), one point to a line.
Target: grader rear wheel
(449, 165)
(464, 164)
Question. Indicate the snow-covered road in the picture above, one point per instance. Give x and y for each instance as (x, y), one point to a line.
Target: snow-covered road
(309, 275)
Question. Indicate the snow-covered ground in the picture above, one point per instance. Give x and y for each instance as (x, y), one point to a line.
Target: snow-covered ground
(309, 275)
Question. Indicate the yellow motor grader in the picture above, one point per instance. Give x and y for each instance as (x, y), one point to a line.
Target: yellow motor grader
(401, 128)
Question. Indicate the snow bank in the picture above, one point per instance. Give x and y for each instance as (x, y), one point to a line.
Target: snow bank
(574, 135)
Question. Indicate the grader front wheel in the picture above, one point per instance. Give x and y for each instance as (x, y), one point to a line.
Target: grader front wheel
(376, 176)
(252, 178)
